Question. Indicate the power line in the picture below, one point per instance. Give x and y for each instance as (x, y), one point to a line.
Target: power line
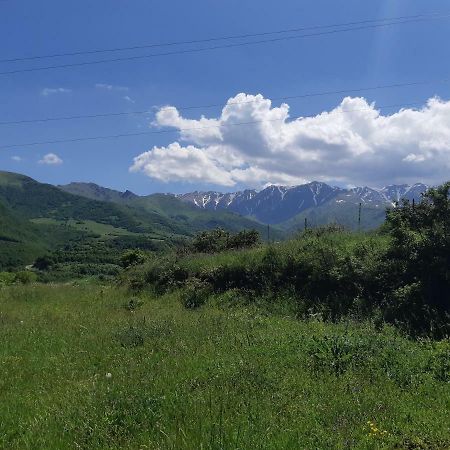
(216, 47)
(220, 38)
(214, 105)
(144, 133)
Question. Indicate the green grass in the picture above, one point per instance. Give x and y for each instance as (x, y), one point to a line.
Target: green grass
(89, 226)
(219, 377)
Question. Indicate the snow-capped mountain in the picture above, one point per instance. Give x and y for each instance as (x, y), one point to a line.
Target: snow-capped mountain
(276, 204)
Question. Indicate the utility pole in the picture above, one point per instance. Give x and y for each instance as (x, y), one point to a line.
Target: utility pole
(359, 217)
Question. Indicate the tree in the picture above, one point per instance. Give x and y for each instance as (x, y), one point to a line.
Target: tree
(418, 263)
(211, 241)
(43, 262)
(132, 258)
(218, 240)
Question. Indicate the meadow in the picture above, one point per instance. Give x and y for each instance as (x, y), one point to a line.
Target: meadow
(87, 366)
(331, 339)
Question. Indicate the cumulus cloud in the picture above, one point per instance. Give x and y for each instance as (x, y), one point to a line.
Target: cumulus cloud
(51, 159)
(253, 143)
(176, 163)
(51, 91)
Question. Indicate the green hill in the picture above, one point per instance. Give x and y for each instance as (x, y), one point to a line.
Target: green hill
(344, 214)
(166, 211)
(38, 218)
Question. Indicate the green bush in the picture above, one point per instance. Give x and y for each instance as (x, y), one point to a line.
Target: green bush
(7, 278)
(400, 275)
(195, 294)
(416, 277)
(25, 277)
(132, 258)
(338, 353)
(220, 240)
(131, 337)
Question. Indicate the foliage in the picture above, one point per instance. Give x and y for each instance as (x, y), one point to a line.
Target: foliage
(400, 275)
(219, 240)
(195, 294)
(43, 262)
(132, 258)
(38, 219)
(417, 265)
(7, 278)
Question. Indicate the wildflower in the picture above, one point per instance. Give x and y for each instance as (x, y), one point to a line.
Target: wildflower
(109, 375)
(374, 431)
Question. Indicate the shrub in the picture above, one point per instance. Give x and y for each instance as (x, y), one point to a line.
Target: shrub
(43, 262)
(132, 258)
(219, 240)
(133, 304)
(195, 294)
(337, 353)
(439, 362)
(131, 337)
(7, 278)
(416, 278)
(25, 277)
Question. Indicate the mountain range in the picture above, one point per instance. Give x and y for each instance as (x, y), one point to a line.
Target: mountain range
(36, 217)
(283, 206)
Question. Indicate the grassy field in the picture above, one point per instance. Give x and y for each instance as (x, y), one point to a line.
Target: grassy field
(103, 230)
(89, 367)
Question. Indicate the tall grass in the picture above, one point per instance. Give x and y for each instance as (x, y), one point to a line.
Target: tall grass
(90, 367)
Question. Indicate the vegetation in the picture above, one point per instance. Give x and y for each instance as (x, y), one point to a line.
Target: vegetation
(332, 339)
(401, 277)
(37, 219)
(90, 367)
(219, 240)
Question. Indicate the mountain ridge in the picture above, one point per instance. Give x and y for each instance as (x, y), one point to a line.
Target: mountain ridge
(278, 205)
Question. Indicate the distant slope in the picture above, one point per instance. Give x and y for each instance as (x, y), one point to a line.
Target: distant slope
(32, 199)
(192, 219)
(96, 192)
(168, 211)
(22, 241)
(345, 215)
(288, 205)
(37, 218)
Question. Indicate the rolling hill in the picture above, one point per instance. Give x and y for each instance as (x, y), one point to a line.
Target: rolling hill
(168, 210)
(38, 218)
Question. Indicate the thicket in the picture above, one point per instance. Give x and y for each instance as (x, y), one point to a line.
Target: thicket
(219, 240)
(399, 275)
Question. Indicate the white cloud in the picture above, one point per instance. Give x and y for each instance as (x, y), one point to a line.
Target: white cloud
(176, 163)
(128, 99)
(50, 91)
(16, 158)
(353, 143)
(51, 159)
(111, 87)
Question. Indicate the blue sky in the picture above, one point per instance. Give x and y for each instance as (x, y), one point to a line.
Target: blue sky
(395, 54)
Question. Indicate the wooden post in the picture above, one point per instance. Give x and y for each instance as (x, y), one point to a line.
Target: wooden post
(306, 223)
(359, 217)
(268, 233)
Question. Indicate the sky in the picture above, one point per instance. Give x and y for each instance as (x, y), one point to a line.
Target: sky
(241, 133)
